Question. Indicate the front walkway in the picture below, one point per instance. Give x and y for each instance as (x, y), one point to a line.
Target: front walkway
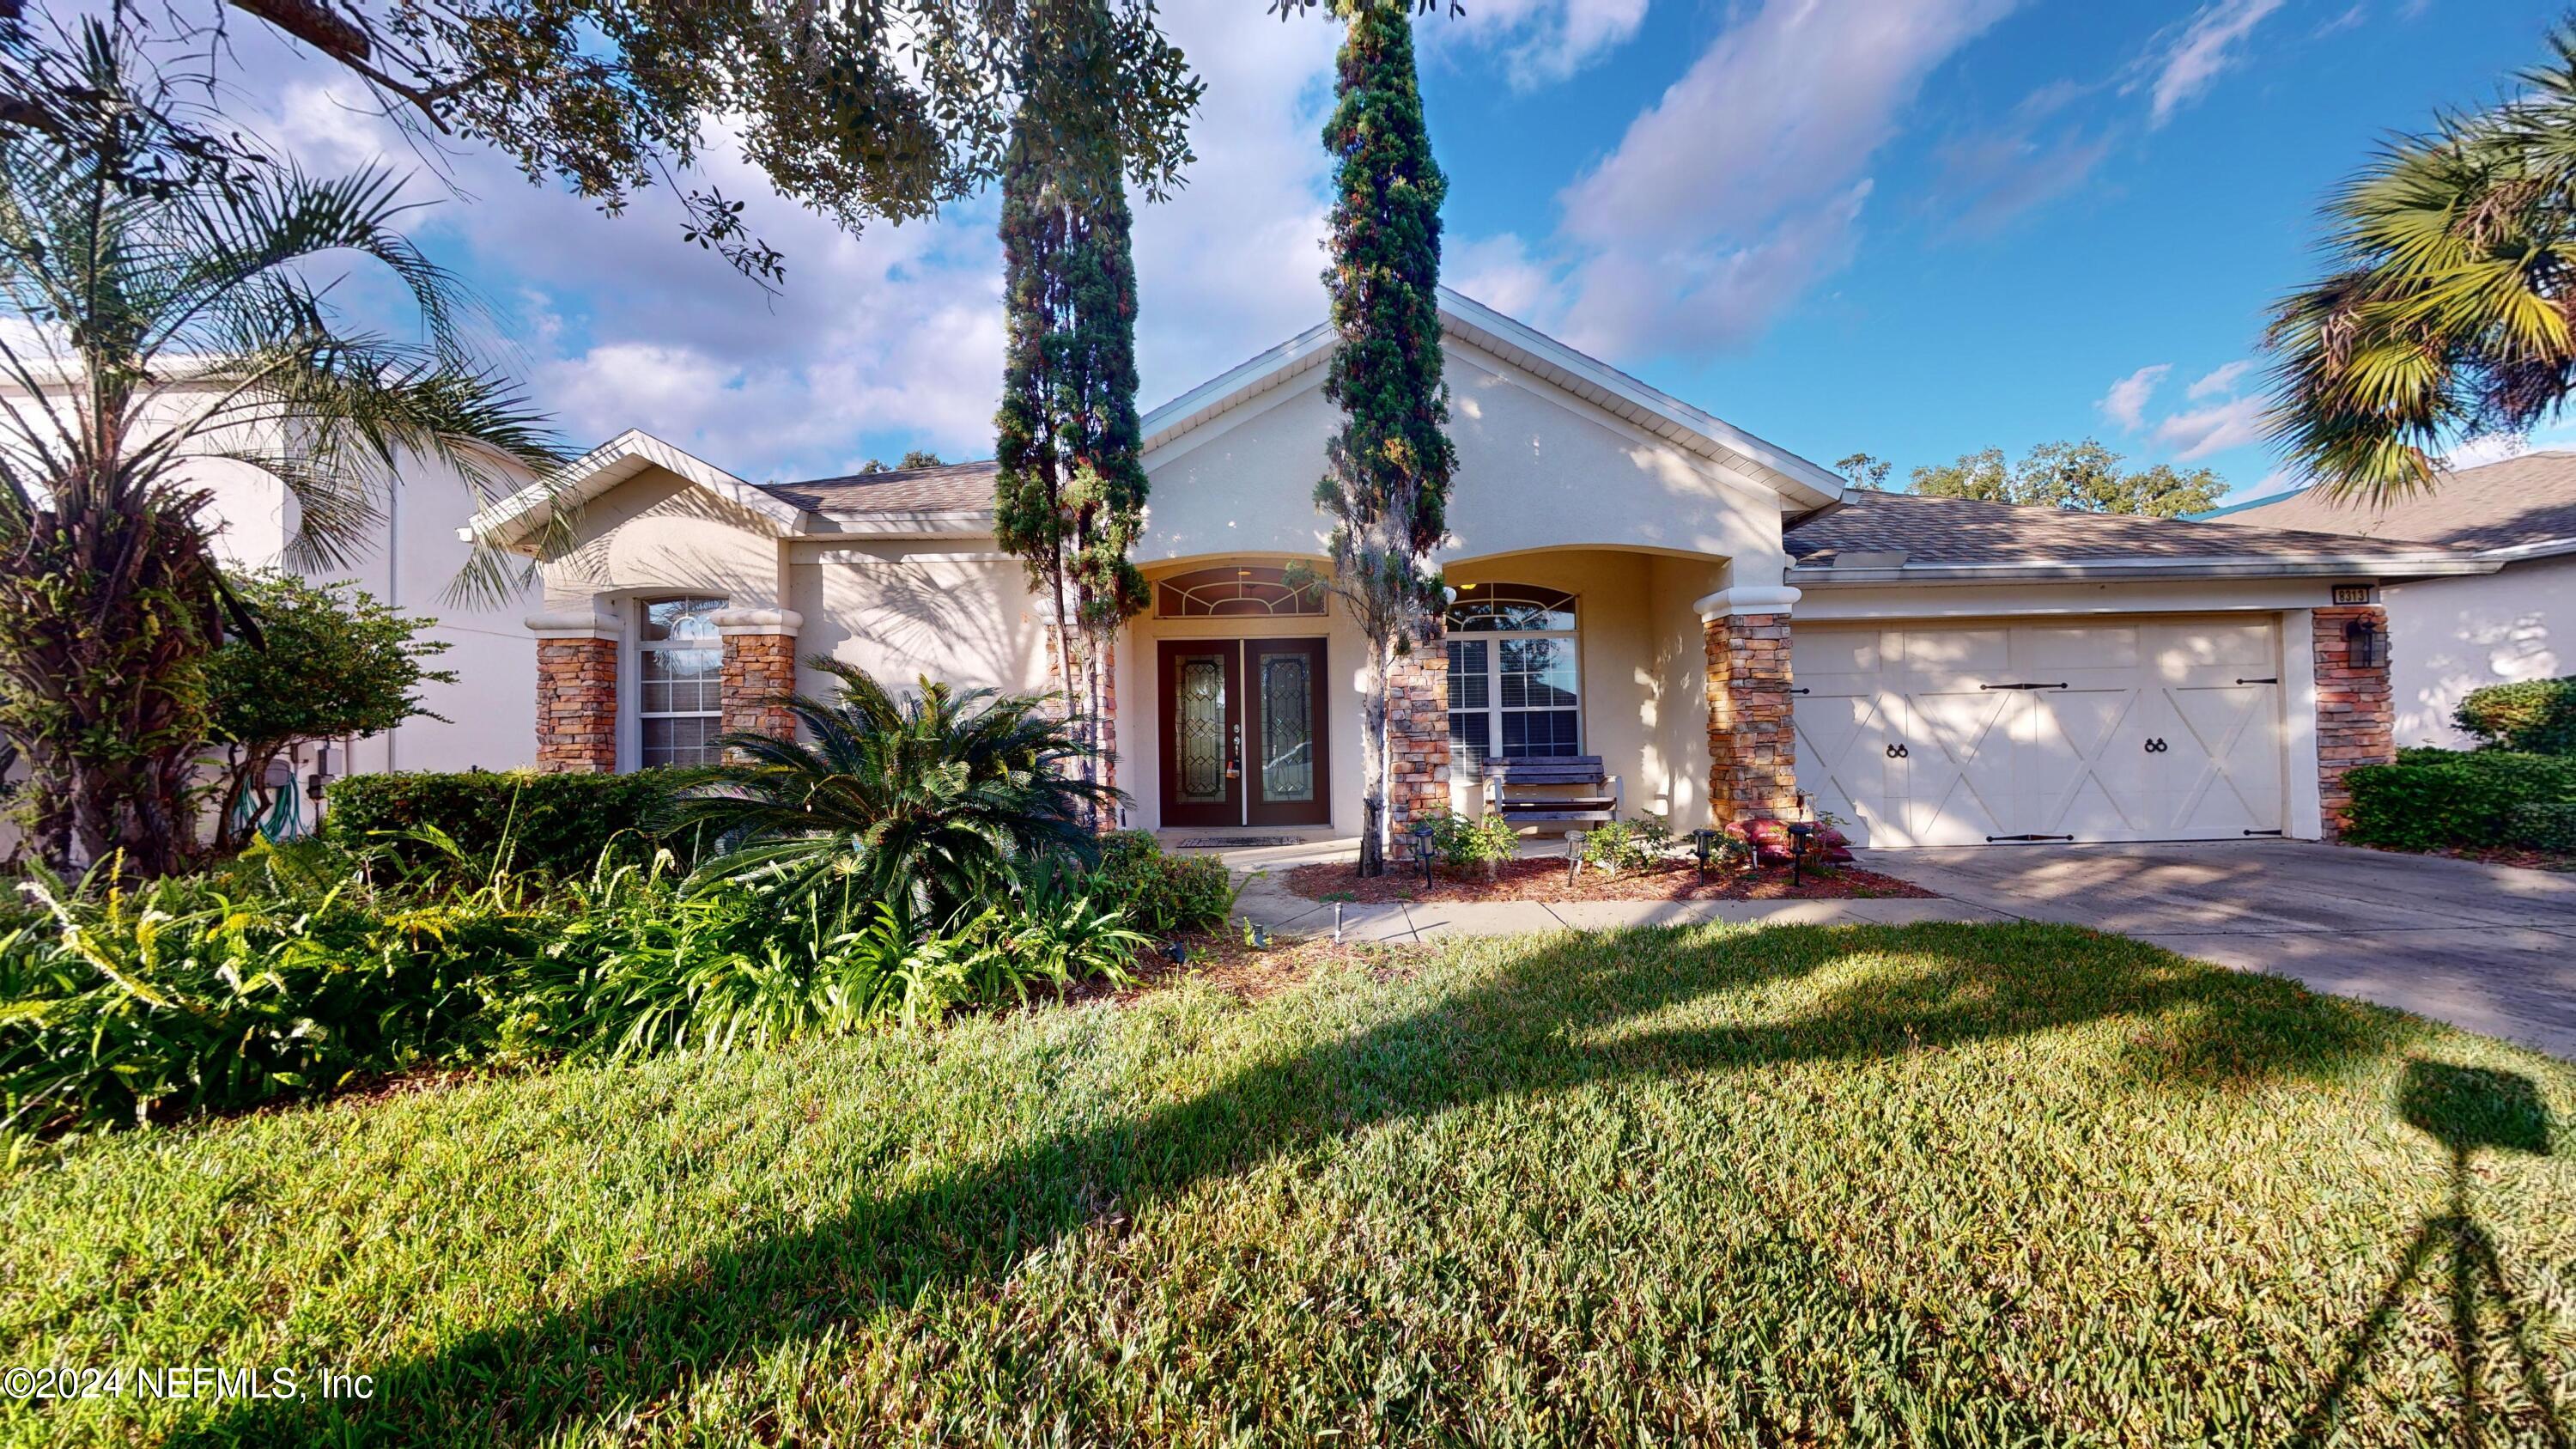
(2486, 947)
(1265, 902)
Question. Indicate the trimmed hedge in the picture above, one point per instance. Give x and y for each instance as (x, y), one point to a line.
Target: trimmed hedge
(555, 825)
(2531, 716)
(2543, 827)
(2435, 799)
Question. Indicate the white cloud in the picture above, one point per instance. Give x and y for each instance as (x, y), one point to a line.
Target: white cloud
(1742, 184)
(1500, 272)
(2220, 379)
(2126, 402)
(1542, 41)
(2203, 431)
(2209, 44)
(1235, 262)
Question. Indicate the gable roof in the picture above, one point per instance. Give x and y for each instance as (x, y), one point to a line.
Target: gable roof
(514, 519)
(2523, 507)
(948, 488)
(1878, 537)
(1533, 351)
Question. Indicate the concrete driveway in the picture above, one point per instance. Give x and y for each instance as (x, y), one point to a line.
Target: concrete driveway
(2487, 947)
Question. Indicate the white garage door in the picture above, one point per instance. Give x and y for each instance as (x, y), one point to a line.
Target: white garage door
(2166, 729)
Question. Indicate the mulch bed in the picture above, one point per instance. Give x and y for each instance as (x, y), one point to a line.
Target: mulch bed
(1544, 880)
(1223, 959)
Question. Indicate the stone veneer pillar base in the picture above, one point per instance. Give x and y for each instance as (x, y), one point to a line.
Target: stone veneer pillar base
(1417, 732)
(1752, 744)
(577, 706)
(2356, 716)
(759, 669)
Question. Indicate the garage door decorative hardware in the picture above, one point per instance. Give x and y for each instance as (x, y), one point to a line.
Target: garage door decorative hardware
(1801, 689)
(2158, 747)
(2275, 679)
(1991, 839)
(2061, 684)
(2264, 832)
(1897, 752)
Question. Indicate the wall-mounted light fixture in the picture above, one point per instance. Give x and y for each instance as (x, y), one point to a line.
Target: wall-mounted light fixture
(2365, 644)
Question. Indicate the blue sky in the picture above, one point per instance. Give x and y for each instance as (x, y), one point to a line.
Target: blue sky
(1911, 227)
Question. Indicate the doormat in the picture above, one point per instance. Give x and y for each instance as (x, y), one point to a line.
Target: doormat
(1233, 842)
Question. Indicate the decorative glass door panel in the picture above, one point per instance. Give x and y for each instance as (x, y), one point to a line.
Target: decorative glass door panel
(1202, 732)
(1285, 730)
(1205, 757)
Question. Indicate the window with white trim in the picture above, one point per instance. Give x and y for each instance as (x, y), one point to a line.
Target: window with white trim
(679, 681)
(1514, 686)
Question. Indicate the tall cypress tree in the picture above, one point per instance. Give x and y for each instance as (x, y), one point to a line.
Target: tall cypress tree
(1070, 491)
(1387, 484)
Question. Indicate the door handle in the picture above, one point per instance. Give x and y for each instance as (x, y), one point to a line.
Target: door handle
(1234, 762)
(1896, 752)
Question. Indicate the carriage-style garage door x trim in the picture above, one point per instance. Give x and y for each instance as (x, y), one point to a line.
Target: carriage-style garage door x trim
(2164, 729)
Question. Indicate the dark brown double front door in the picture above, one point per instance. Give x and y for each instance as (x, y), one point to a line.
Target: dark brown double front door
(1243, 732)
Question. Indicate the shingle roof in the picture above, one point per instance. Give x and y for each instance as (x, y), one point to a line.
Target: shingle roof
(1959, 532)
(949, 488)
(2515, 503)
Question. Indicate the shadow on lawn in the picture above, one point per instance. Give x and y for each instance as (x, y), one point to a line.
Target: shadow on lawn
(1540, 1025)
(2464, 1109)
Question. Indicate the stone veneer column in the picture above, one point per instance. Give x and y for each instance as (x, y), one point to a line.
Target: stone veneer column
(1752, 743)
(576, 692)
(1417, 731)
(2356, 718)
(759, 669)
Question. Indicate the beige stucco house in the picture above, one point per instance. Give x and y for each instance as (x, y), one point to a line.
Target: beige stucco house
(2456, 633)
(1726, 624)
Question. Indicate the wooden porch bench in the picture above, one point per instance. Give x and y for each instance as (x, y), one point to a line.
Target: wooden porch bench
(1556, 791)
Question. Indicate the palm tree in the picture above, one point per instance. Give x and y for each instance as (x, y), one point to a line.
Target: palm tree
(152, 316)
(2446, 312)
(928, 802)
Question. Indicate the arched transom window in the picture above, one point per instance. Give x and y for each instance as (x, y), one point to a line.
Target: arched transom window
(1514, 685)
(1236, 591)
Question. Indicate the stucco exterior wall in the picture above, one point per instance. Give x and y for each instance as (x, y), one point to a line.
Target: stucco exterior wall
(960, 614)
(1536, 469)
(2449, 636)
(1677, 708)
(658, 534)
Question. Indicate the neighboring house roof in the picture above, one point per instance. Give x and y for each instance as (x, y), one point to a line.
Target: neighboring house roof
(2521, 507)
(1525, 347)
(948, 488)
(1880, 537)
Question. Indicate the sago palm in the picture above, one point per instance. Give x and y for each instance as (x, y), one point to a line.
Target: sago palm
(2446, 312)
(149, 324)
(926, 802)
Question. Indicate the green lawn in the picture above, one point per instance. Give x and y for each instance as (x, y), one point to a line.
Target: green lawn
(1938, 1184)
